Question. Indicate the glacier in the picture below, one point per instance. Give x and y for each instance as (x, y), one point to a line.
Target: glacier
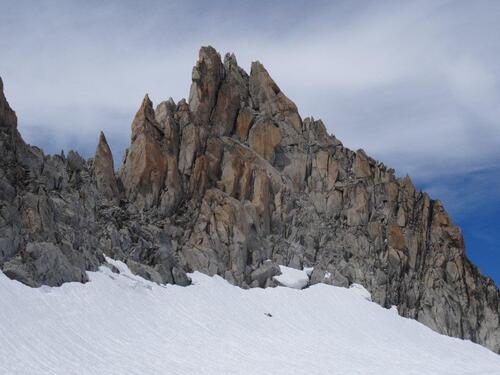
(119, 323)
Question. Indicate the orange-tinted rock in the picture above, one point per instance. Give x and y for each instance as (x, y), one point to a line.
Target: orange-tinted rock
(206, 76)
(237, 175)
(395, 238)
(104, 169)
(269, 99)
(199, 178)
(264, 137)
(243, 123)
(361, 166)
(189, 147)
(145, 167)
(262, 198)
(324, 172)
(164, 115)
(232, 94)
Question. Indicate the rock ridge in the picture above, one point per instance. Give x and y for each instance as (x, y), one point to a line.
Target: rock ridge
(223, 183)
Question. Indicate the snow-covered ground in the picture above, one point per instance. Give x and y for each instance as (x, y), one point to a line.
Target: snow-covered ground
(292, 278)
(122, 324)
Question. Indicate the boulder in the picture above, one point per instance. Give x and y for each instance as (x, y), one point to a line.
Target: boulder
(43, 263)
(265, 272)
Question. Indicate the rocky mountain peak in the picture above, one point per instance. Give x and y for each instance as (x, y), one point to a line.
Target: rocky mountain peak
(11, 147)
(230, 61)
(206, 78)
(104, 169)
(8, 118)
(234, 182)
(144, 121)
(269, 99)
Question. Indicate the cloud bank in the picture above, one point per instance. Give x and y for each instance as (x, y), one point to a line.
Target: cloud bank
(415, 84)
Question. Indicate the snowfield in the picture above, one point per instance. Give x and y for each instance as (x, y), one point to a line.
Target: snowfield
(122, 324)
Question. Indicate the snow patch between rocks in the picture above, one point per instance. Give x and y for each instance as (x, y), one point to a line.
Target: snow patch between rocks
(292, 278)
(119, 324)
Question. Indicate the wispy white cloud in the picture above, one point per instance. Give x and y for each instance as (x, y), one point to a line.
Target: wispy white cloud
(416, 84)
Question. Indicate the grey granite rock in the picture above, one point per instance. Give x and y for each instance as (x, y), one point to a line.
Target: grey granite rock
(43, 263)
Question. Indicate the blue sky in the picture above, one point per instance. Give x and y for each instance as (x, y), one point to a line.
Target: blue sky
(415, 84)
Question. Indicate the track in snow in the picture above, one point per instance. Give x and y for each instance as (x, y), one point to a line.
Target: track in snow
(122, 324)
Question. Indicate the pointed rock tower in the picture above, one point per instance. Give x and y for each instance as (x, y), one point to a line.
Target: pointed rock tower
(104, 169)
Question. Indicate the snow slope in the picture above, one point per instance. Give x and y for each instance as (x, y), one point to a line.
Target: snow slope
(292, 278)
(122, 324)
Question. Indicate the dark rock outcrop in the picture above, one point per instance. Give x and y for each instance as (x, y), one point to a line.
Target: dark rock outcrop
(233, 183)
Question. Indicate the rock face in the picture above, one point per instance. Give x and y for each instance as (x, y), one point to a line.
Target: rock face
(104, 169)
(235, 182)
